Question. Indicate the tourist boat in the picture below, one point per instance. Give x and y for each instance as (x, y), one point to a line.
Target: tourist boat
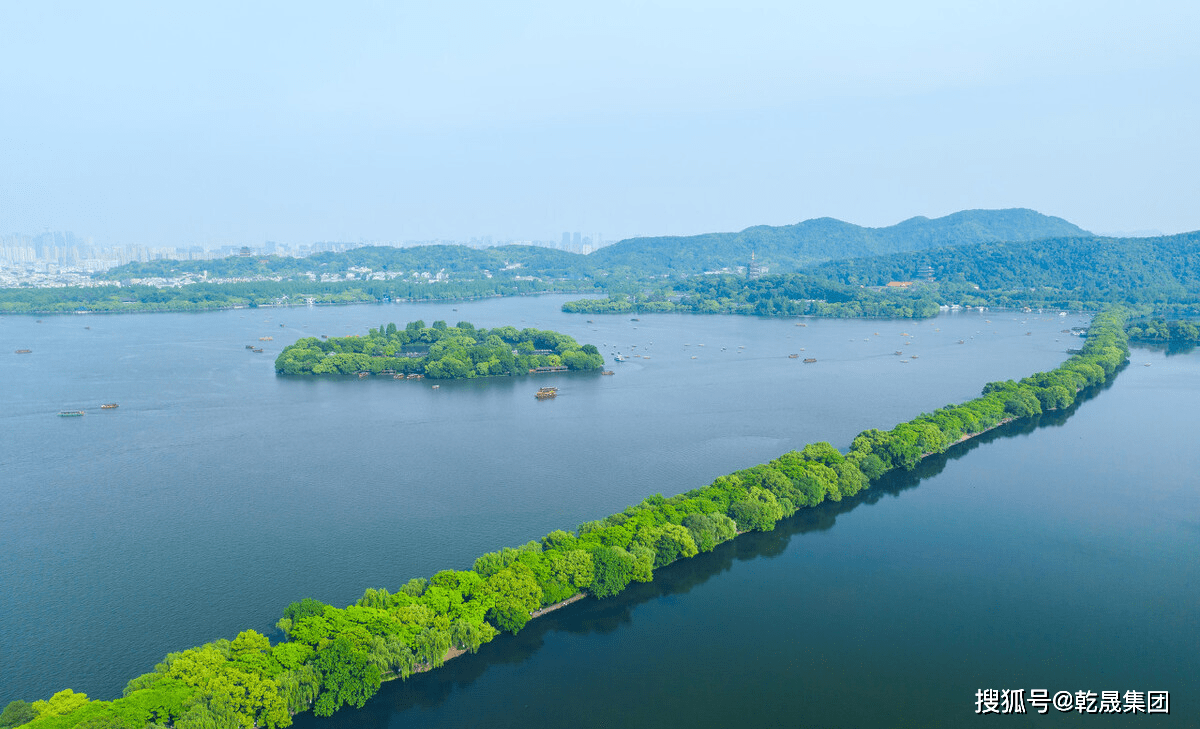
(109, 406)
(544, 393)
(607, 372)
(810, 360)
(363, 374)
(618, 358)
(70, 413)
(24, 351)
(793, 356)
(267, 339)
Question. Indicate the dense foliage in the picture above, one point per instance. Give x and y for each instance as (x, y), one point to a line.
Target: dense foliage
(439, 352)
(211, 296)
(775, 295)
(333, 657)
(790, 247)
(1159, 331)
(1161, 273)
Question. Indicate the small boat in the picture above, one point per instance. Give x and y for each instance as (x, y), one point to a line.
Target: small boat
(1147, 364)
(109, 406)
(961, 341)
(589, 321)
(915, 357)
(397, 377)
(801, 325)
(543, 393)
(635, 320)
(88, 328)
(693, 356)
(249, 346)
(257, 350)
(24, 351)
(1029, 334)
(903, 361)
(809, 360)
(793, 356)
(899, 352)
(70, 413)
(266, 339)
(324, 336)
(607, 372)
(435, 387)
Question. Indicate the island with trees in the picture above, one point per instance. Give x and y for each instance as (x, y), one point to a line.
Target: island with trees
(440, 352)
(1160, 331)
(333, 657)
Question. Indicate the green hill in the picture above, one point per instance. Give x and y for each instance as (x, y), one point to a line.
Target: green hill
(791, 247)
(1089, 269)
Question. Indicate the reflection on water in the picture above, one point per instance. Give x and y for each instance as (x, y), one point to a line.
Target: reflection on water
(397, 700)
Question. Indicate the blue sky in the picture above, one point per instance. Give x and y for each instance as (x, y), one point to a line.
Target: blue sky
(213, 123)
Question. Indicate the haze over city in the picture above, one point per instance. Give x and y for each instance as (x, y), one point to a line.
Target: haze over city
(220, 124)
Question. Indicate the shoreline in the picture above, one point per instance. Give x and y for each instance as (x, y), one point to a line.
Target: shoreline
(453, 652)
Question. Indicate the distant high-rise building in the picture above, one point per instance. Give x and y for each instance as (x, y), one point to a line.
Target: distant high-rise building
(577, 239)
(566, 240)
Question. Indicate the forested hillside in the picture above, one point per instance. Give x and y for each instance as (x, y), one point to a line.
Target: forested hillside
(790, 247)
(1157, 271)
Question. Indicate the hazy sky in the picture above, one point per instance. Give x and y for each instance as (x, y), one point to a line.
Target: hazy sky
(206, 123)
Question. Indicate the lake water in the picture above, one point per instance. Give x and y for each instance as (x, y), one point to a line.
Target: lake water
(1060, 558)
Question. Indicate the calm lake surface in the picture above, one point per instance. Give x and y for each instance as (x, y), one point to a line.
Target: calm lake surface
(1056, 555)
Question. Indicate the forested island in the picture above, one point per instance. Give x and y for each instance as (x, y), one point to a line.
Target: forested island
(440, 352)
(331, 657)
(789, 294)
(1160, 331)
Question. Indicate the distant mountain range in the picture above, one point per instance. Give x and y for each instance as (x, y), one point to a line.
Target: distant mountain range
(792, 247)
(782, 249)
